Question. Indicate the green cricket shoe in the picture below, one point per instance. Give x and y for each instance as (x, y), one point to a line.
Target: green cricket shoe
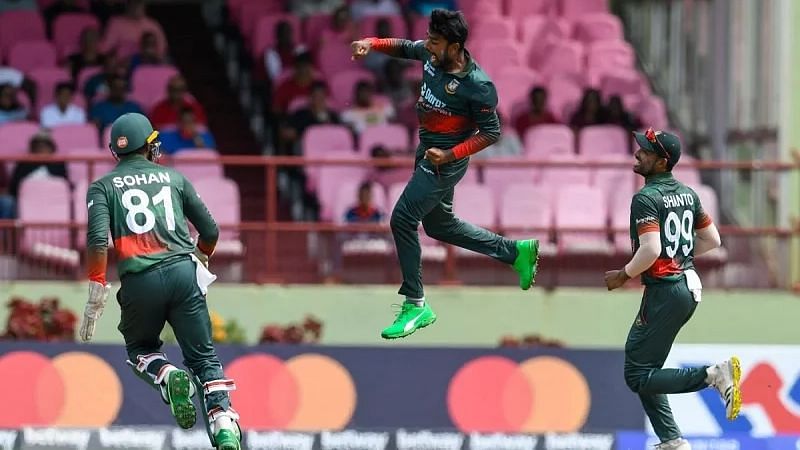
(410, 319)
(227, 440)
(527, 262)
(179, 394)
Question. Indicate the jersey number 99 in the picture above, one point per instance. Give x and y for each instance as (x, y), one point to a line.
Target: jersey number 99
(141, 208)
(679, 230)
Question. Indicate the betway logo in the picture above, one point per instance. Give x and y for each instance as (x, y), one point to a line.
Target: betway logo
(427, 440)
(498, 441)
(428, 96)
(7, 439)
(354, 440)
(78, 439)
(189, 440)
(277, 440)
(583, 441)
(127, 437)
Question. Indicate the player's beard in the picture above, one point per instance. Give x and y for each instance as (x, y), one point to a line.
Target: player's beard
(643, 168)
(442, 61)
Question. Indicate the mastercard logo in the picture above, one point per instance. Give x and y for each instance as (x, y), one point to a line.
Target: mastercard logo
(39, 391)
(496, 394)
(308, 392)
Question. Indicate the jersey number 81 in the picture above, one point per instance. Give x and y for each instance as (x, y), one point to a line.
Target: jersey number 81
(141, 208)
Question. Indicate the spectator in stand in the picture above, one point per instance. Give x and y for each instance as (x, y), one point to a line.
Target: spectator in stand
(40, 144)
(124, 33)
(56, 9)
(508, 145)
(616, 114)
(89, 54)
(343, 29)
(189, 134)
(148, 52)
(15, 78)
(11, 110)
(590, 112)
(105, 112)
(63, 111)
(305, 8)
(376, 61)
(17, 5)
(281, 57)
(364, 211)
(166, 112)
(366, 111)
(365, 8)
(537, 114)
(7, 204)
(398, 89)
(298, 85)
(425, 7)
(387, 176)
(316, 113)
(97, 87)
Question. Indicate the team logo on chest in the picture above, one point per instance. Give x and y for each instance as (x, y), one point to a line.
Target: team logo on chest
(451, 87)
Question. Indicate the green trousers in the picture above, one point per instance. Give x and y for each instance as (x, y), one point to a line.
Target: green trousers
(428, 198)
(168, 292)
(664, 310)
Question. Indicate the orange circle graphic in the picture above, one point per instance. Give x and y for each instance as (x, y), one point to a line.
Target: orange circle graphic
(92, 390)
(327, 393)
(561, 400)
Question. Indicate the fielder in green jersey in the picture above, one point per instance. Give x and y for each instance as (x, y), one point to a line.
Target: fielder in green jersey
(456, 110)
(163, 276)
(668, 228)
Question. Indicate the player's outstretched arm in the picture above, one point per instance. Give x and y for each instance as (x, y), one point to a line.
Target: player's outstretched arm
(399, 48)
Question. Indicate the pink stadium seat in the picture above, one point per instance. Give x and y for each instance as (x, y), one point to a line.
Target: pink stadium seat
(562, 57)
(313, 27)
(581, 206)
(524, 8)
(51, 242)
(513, 86)
(526, 206)
(46, 79)
(476, 9)
(610, 53)
(686, 174)
(619, 212)
(652, 112)
(185, 162)
(611, 179)
(393, 137)
(347, 196)
(328, 180)
(572, 9)
(558, 176)
(78, 172)
(67, 29)
(321, 139)
(419, 27)
(264, 34)
(432, 250)
(334, 57)
(313, 170)
(598, 139)
(14, 137)
(251, 13)
(498, 179)
(18, 26)
(494, 28)
(30, 55)
(563, 96)
(221, 196)
(622, 82)
(149, 84)
(475, 203)
(544, 140)
(495, 55)
(598, 27)
(368, 25)
(536, 31)
(343, 83)
(68, 137)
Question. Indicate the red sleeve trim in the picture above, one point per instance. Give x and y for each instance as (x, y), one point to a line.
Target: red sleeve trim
(648, 228)
(97, 263)
(390, 46)
(703, 221)
(472, 145)
(206, 247)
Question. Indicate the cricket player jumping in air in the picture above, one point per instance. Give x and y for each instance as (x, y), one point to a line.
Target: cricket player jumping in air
(163, 276)
(456, 110)
(668, 228)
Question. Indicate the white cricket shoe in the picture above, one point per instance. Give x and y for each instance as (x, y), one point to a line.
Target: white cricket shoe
(725, 379)
(675, 444)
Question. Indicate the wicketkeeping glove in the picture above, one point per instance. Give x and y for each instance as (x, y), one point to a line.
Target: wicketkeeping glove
(98, 295)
